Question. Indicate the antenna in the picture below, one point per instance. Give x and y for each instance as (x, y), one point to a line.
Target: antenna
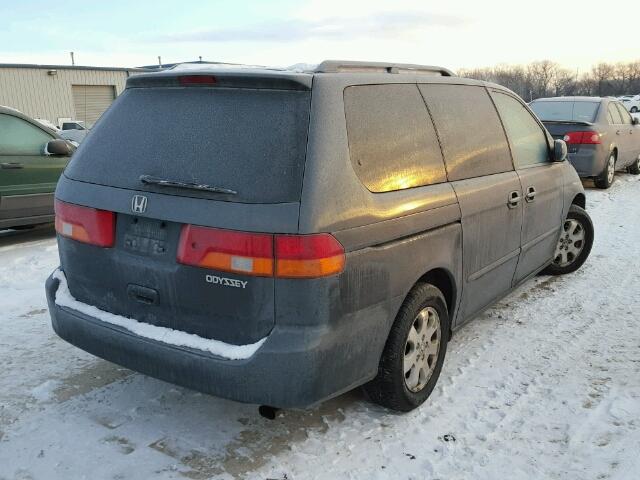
(73, 62)
(200, 58)
(159, 61)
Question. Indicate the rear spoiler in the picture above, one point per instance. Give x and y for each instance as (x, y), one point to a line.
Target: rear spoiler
(255, 79)
(568, 122)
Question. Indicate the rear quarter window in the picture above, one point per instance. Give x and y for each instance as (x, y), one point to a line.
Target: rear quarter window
(624, 114)
(614, 115)
(472, 138)
(392, 142)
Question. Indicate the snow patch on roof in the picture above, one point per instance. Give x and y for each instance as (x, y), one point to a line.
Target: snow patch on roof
(296, 68)
(302, 67)
(153, 332)
(213, 66)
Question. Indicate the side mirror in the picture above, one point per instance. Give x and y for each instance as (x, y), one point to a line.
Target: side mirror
(560, 151)
(636, 121)
(57, 147)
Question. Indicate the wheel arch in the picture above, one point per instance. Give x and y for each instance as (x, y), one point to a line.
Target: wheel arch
(580, 200)
(614, 150)
(444, 281)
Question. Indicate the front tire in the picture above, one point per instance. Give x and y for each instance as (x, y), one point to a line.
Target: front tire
(634, 109)
(634, 168)
(605, 179)
(574, 244)
(414, 353)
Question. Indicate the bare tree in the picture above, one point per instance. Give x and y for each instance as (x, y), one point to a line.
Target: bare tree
(546, 78)
(541, 76)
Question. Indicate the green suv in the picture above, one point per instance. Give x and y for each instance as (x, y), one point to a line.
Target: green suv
(32, 157)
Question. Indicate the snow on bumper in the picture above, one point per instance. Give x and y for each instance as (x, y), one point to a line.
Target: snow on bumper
(295, 367)
(166, 335)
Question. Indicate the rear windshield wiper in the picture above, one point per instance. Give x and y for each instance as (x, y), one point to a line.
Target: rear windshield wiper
(150, 180)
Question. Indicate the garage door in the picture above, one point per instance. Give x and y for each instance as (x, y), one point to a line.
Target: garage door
(91, 101)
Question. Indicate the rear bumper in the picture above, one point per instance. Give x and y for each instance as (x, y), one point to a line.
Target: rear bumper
(297, 366)
(588, 162)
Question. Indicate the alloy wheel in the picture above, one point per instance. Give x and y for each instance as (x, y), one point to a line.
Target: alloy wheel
(421, 349)
(611, 168)
(571, 243)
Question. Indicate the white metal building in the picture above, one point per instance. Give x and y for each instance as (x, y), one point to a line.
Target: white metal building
(56, 92)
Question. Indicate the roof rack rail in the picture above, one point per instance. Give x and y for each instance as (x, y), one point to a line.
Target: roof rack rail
(348, 66)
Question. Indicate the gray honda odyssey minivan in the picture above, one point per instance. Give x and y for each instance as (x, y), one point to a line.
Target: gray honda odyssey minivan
(279, 238)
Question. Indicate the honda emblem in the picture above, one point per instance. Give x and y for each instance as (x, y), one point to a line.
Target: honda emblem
(139, 204)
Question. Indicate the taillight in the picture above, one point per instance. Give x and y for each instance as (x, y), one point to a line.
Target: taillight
(260, 254)
(589, 138)
(84, 224)
(195, 80)
(226, 250)
(307, 256)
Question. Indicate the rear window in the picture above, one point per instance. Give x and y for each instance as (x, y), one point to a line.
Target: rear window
(392, 142)
(566, 111)
(248, 140)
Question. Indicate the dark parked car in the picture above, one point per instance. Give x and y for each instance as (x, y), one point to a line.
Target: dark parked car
(601, 135)
(279, 238)
(32, 157)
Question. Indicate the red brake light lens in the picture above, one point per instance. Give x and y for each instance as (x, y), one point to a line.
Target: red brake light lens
(84, 224)
(195, 80)
(260, 254)
(588, 138)
(226, 250)
(308, 256)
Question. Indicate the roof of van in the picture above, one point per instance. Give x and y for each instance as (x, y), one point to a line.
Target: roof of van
(300, 77)
(327, 66)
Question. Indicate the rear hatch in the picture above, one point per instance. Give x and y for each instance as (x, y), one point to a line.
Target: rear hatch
(576, 134)
(223, 151)
(569, 119)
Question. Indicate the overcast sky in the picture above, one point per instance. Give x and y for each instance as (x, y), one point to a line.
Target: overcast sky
(454, 33)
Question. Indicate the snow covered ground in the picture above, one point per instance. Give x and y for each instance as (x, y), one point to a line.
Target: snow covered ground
(545, 385)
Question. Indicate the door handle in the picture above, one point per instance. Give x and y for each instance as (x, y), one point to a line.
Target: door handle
(514, 199)
(11, 165)
(531, 194)
(617, 132)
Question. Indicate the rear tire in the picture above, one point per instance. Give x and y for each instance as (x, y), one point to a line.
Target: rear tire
(605, 179)
(574, 244)
(634, 168)
(414, 353)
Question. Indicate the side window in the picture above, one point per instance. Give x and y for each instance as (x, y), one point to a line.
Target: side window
(615, 115)
(18, 137)
(472, 138)
(392, 142)
(528, 139)
(626, 117)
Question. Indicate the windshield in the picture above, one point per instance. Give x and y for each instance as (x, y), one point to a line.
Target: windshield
(565, 111)
(251, 141)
